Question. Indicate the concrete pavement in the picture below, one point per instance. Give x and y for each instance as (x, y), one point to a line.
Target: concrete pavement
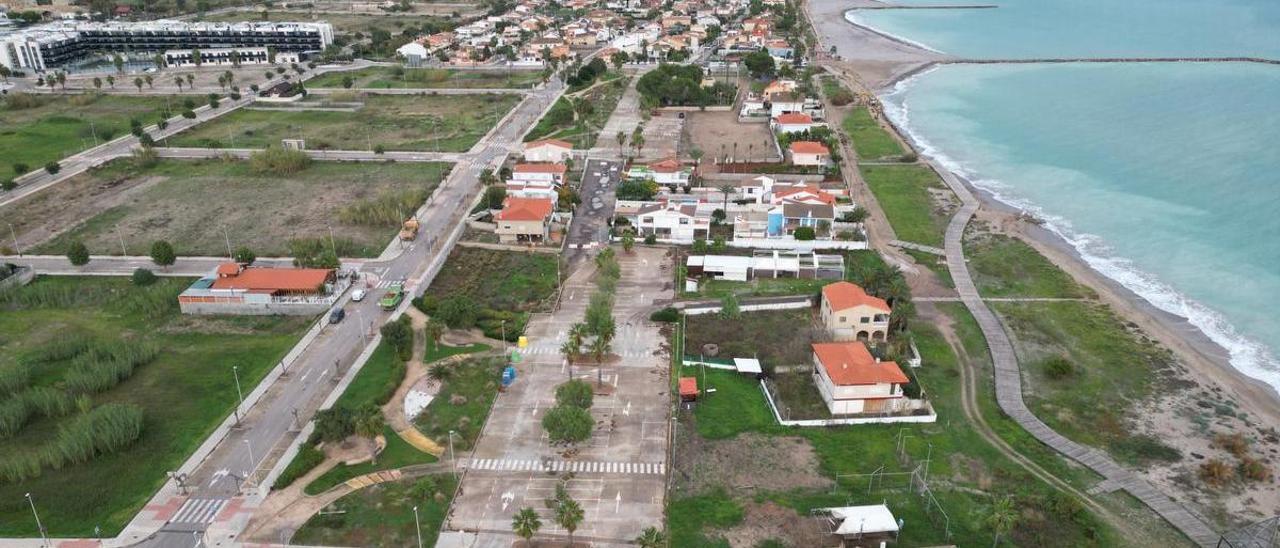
(329, 155)
(109, 265)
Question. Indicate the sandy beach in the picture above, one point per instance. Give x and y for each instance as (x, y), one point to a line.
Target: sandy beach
(877, 62)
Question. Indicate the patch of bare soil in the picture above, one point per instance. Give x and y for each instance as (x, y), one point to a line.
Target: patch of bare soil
(748, 462)
(58, 208)
(767, 521)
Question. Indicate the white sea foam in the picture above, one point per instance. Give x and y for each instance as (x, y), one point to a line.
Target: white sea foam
(1245, 355)
(852, 18)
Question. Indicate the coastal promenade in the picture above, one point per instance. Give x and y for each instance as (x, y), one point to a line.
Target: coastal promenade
(1009, 384)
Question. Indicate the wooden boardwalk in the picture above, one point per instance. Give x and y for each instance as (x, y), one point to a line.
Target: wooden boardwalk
(1009, 386)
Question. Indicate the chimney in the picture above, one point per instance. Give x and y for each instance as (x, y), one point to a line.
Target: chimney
(877, 360)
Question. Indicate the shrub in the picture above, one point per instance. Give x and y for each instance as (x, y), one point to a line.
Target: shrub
(457, 311)
(20, 168)
(8, 184)
(14, 412)
(1217, 473)
(805, 233)
(244, 255)
(668, 315)
(1058, 368)
(566, 423)
(575, 393)
(53, 168)
(104, 430)
(142, 277)
(308, 457)
(1255, 470)
(399, 334)
(162, 253)
(103, 367)
(1232, 443)
(49, 401)
(278, 161)
(77, 253)
(334, 424)
(650, 239)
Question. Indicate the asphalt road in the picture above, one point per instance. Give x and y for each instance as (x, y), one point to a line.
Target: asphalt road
(249, 451)
(590, 227)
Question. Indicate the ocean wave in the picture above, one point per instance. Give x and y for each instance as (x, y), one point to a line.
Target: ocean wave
(1247, 356)
(854, 19)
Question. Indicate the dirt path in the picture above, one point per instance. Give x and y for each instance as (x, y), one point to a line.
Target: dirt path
(969, 375)
(415, 371)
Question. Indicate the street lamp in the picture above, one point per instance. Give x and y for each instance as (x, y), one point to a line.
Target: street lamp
(453, 462)
(417, 524)
(44, 540)
(14, 235)
(504, 340)
(235, 370)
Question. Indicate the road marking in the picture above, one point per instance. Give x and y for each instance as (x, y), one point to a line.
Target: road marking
(198, 511)
(587, 467)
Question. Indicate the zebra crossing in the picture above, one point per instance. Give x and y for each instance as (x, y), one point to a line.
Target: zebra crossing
(582, 467)
(537, 350)
(198, 511)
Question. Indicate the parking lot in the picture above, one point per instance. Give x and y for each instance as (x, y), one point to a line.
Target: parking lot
(619, 474)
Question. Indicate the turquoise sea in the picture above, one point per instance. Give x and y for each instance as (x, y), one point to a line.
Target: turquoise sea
(1166, 177)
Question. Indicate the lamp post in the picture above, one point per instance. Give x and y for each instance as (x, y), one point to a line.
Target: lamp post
(453, 462)
(44, 540)
(14, 235)
(417, 524)
(504, 340)
(235, 370)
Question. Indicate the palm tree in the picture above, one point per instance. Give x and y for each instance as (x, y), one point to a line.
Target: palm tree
(434, 331)
(1002, 518)
(651, 538)
(62, 80)
(751, 147)
(111, 81)
(622, 139)
(97, 83)
(369, 425)
(725, 189)
(148, 80)
(526, 523)
(599, 348)
(570, 353)
(569, 515)
(191, 80)
(138, 82)
(178, 80)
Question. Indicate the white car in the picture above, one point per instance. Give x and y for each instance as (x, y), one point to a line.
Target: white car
(357, 295)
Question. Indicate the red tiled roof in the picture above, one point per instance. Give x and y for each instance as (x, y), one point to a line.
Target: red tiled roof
(688, 386)
(849, 363)
(670, 165)
(274, 279)
(544, 142)
(809, 147)
(794, 118)
(540, 168)
(228, 269)
(525, 209)
(845, 295)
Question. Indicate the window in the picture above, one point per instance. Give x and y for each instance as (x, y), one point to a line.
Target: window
(866, 319)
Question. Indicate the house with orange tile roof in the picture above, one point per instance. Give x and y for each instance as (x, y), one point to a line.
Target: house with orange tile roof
(852, 381)
(548, 150)
(850, 313)
(233, 288)
(809, 153)
(524, 220)
(792, 122)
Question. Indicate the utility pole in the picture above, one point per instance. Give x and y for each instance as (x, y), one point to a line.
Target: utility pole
(227, 237)
(14, 235)
(235, 370)
(453, 462)
(123, 251)
(417, 524)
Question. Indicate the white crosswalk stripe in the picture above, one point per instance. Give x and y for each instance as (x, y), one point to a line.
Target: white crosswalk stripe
(586, 467)
(199, 511)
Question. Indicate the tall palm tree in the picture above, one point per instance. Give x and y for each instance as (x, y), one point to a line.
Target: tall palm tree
(651, 538)
(725, 189)
(622, 139)
(368, 425)
(569, 515)
(1002, 518)
(434, 331)
(178, 80)
(599, 348)
(526, 523)
(570, 352)
(148, 80)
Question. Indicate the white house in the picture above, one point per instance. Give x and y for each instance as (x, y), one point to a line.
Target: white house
(792, 122)
(852, 381)
(548, 150)
(671, 221)
(809, 153)
(782, 103)
(849, 313)
(667, 172)
(546, 173)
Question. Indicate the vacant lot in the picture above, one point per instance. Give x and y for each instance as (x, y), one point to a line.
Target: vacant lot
(914, 200)
(463, 404)
(198, 205)
(58, 326)
(561, 122)
(38, 129)
(382, 515)
(427, 78)
(485, 287)
(451, 123)
(870, 140)
(719, 135)
(775, 337)
(1004, 266)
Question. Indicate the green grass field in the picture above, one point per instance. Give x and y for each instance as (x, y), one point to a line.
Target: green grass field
(199, 205)
(559, 122)
(903, 195)
(463, 402)
(1004, 266)
(448, 123)
(870, 141)
(427, 78)
(496, 286)
(759, 287)
(38, 129)
(184, 392)
(343, 23)
(382, 515)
